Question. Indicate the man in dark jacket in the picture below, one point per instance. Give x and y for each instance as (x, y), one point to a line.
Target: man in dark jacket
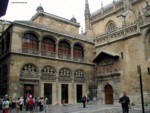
(125, 101)
(84, 101)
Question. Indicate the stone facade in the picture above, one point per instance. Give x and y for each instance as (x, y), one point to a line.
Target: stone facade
(115, 42)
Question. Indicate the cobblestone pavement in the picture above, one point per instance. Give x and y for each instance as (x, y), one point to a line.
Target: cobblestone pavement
(92, 108)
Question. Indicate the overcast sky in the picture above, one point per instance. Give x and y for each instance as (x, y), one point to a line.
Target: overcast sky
(25, 9)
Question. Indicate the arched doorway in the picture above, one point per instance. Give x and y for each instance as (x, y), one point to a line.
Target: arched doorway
(108, 94)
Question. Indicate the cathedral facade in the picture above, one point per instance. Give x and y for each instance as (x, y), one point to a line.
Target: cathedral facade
(47, 56)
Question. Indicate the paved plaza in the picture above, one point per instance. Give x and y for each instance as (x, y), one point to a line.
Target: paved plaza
(91, 108)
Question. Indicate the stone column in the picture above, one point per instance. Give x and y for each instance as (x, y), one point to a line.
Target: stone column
(22, 90)
(56, 50)
(57, 87)
(73, 91)
(72, 52)
(39, 51)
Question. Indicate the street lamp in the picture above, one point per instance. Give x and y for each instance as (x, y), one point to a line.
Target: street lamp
(141, 87)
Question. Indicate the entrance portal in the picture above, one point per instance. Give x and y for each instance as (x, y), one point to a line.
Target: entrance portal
(48, 92)
(64, 93)
(79, 93)
(108, 94)
(29, 89)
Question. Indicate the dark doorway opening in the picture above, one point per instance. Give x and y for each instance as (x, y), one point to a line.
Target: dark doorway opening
(48, 92)
(79, 93)
(29, 89)
(64, 93)
(108, 94)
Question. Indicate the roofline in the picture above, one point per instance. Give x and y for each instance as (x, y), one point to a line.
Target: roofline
(55, 17)
(105, 52)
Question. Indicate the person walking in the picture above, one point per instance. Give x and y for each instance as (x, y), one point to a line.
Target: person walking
(84, 101)
(18, 105)
(31, 104)
(125, 102)
(21, 103)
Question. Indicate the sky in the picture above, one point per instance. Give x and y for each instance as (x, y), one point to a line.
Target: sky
(25, 9)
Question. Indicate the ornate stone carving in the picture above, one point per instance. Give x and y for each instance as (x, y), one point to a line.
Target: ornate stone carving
(29, 70)
(64, 74)
(48, 73)
(146, 10)
(48, 70)
(79, 76)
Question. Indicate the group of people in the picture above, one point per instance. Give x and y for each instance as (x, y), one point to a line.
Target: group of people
(38, 103)
(29, 103)
(35, 103)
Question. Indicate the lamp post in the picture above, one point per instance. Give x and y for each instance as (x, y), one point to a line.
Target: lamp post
(141, 87)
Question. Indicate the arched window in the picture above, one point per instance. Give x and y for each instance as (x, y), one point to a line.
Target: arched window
(30, 41)
(110, 27)
(48, 44)
(78, 51)
(64, 48)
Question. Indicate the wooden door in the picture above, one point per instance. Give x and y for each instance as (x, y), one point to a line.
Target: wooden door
(108, 94)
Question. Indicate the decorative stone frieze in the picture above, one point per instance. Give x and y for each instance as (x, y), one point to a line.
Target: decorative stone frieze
(48, 78)
(29, 71)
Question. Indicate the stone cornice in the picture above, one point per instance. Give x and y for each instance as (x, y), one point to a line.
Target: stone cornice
(50, 58)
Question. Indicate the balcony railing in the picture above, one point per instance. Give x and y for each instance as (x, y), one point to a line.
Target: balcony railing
(52, 55)
(48, 54)
(30, 51)
(62, 56)
(78, 59)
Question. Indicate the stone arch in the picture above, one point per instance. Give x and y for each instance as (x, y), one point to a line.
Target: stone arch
(105, 95)
(48, 44)
(32, 32)
(68, 41)
(30, 42)
(29, 70)
(108, 90)
(79, 43)
(110, 26)
(78, 50)
(106, 83)
(64, 49)
(50, 36)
